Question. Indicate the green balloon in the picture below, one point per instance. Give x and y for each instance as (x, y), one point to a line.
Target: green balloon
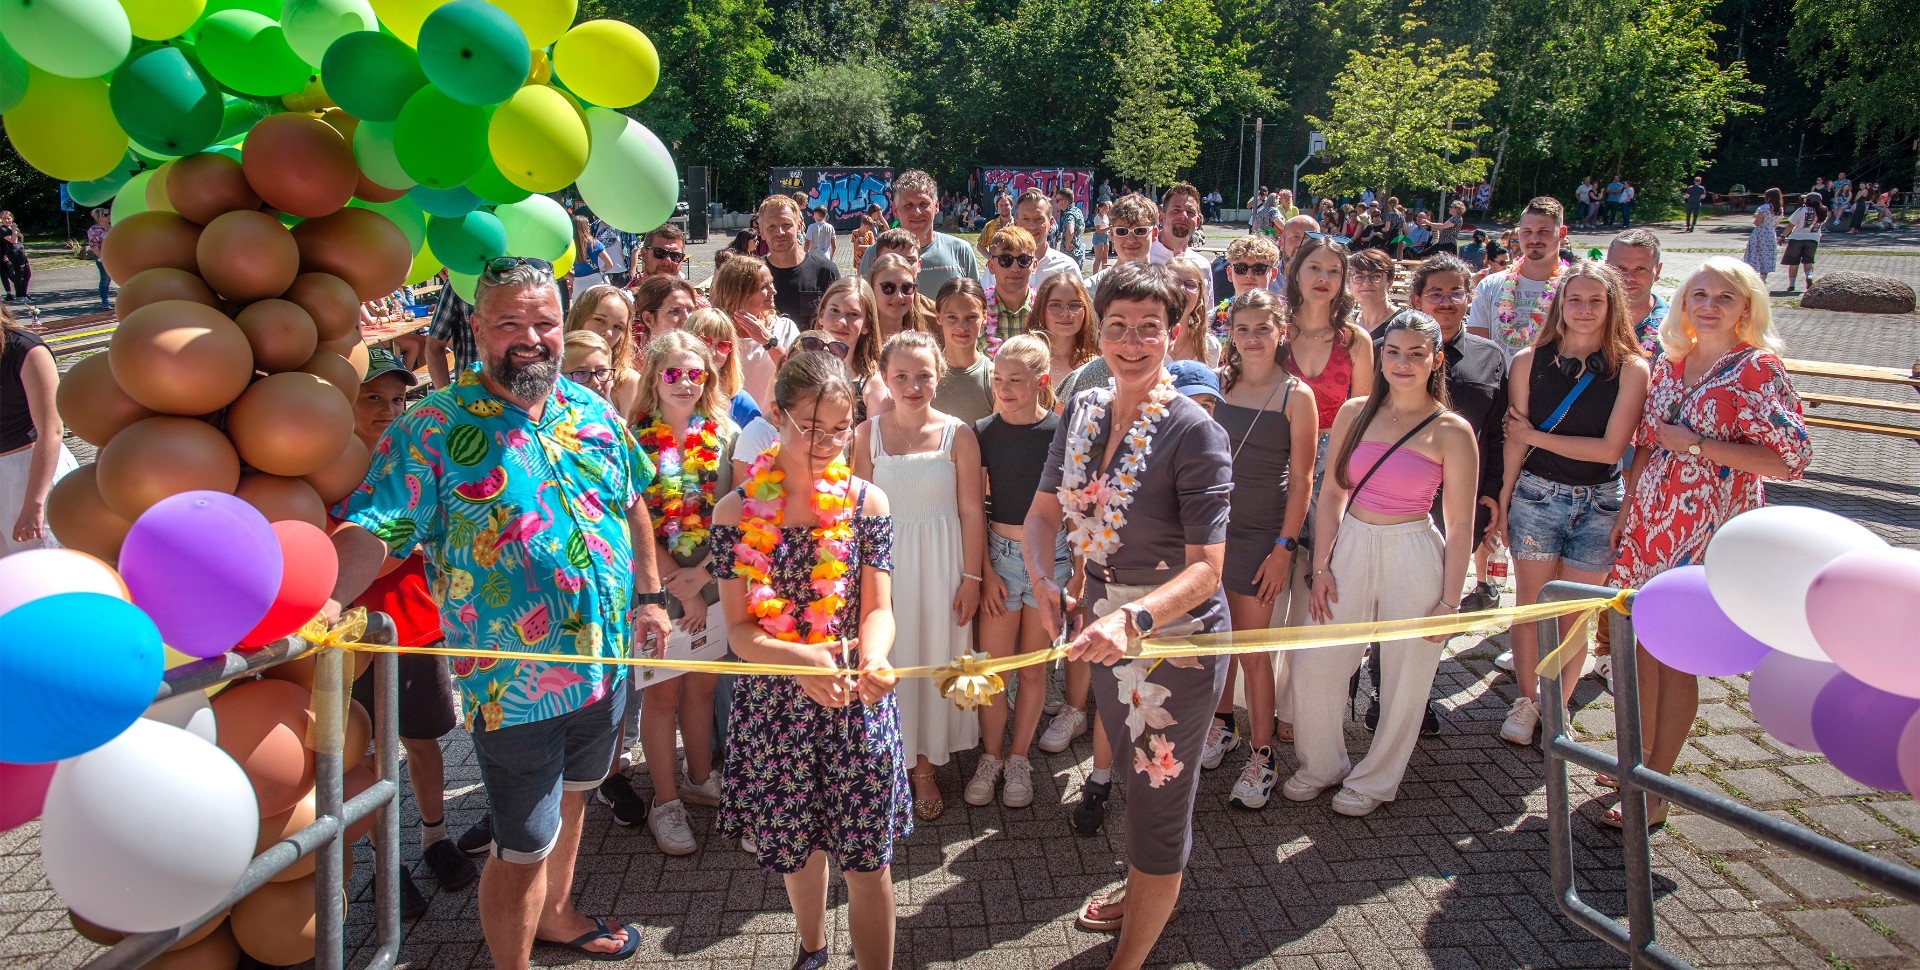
(167, 101)
(249, 53)
(269, 9)
(474, 52)
(630, 181)
(373, 149)
(13, 77)
(69, 38)
(465, 243)
(239, 115)
(97, 191)
(370, 75)
(404, 213)
(492, 186)
(456, 201)
(464, 284)
(441, 142)
(536, 226)
(132, 197)
(313, 25)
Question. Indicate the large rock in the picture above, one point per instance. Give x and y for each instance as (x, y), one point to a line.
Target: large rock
(1858, 293)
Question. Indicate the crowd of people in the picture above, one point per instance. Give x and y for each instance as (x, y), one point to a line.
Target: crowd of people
(960, 448)
(1792, 240)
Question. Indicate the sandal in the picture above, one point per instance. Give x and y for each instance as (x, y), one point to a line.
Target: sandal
(1614, 818)
(600, 932)
(926, 809)
(1282, 731)
(1099, 924)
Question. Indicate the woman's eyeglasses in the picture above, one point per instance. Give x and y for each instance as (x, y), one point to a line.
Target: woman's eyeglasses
(815, 436)
(1369, 276)
(1074, 307)
(598, 375)
(896, 289)
(1146, 333)
(671, 255)
(1008, 259)
(1131, 230)
(838, 348)
(1252, 269)
(672, 375)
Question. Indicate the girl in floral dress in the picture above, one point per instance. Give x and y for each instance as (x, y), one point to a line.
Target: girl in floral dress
(804, 555)
(1763, 243)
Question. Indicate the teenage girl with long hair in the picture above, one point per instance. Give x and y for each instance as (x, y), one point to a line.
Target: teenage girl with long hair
(898, 304)
(1065, 318)
(847, 314)
(608, 311)
(743, 289)
(717, 332)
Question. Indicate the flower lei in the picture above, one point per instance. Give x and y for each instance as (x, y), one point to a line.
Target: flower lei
(764, 511)
(990, 333)
(680, 500)
(1503, 309)
(1096, 508)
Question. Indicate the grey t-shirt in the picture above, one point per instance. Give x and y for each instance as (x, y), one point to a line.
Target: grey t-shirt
(966, 392)
(943, 259)
(1092, 374)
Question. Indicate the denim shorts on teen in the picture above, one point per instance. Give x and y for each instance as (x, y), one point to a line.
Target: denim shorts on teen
(1570, 523)
(526, 767)
(1005, 556)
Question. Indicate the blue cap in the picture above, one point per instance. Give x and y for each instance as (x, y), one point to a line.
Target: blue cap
(1191, 377)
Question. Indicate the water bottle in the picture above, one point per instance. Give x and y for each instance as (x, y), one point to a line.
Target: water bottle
(1498, 568)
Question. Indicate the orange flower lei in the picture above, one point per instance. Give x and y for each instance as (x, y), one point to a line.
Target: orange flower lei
(764, 512)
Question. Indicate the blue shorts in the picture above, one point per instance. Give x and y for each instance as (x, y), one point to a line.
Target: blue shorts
(1572, 524)
(526, 767)
(1005, 556)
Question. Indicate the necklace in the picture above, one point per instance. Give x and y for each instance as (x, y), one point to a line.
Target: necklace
(764, 512)
(680, 500)
(1096, 506)
(1520, 336)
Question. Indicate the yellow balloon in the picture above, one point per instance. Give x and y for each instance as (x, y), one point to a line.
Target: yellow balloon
(156, 192)
(162, 19)
(608, 63)
(543, 20)
(132, 197)
(424, 267)
(541, 70)
(538, 140)
(564, 264)
(64, 126)
(403, 18)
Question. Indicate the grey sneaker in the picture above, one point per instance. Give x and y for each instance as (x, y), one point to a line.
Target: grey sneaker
(705, 793)
(670, 829)
(1018, 790)
(980, 789)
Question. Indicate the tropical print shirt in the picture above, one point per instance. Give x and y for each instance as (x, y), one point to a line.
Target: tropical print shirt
(524, 527)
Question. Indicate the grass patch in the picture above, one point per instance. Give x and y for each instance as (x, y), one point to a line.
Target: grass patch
(1879, 927)
(1838, 962)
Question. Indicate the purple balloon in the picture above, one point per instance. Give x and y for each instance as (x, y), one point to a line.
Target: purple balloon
(1908, 755)
(1676, 619)
(205, 566)
(1858, 726)
(1781, 695)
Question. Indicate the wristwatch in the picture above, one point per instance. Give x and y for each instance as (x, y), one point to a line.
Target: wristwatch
(1290, 543)
(1138, 618)
(1694, 449)
(651, 599)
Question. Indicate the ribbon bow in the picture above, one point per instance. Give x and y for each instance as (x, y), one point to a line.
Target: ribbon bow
(968, 683)
(347, 631)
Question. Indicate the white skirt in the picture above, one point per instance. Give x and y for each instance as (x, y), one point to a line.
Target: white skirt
(15, 470)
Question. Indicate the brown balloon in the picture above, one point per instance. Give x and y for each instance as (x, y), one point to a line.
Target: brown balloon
(357, 356)
(342, 347)
(290, 424)
(277, 827)
(81, 520)
(164, 456)
(206, 185)
(263, 725)
(95, 933)
(331, 302)
(219, 951)
(179, 357)
(247, 256)
(357, 780)
(274, 924)
(335, 370)
(92, 404)
(299, 165)
(282, 499)
(343, 474)
(147, 239)
(280, 333)
(360, 246)
(372, 191)
(163, 283)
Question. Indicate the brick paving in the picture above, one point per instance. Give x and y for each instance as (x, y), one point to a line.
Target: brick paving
(1453, 874)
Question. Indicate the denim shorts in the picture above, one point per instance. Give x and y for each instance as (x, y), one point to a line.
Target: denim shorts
(526, 767)
(1570, 523)
(1005, 556)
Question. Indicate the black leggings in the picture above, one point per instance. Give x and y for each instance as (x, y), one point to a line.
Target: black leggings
(16, 271)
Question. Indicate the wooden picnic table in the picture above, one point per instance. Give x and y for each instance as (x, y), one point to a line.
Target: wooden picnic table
(379, 333)
(1868, 373)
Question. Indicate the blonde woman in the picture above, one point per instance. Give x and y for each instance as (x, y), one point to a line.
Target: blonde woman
(743, 289)
(846, 318)
(607, 310)
(1195, 342)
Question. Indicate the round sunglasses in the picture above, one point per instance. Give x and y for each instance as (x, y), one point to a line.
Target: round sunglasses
(694, 375)
(891, 288)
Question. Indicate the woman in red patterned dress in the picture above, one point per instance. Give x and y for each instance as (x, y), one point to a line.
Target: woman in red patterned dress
(1720, 417)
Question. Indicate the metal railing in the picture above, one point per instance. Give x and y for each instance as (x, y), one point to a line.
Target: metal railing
(334, 814)
(1637, 781)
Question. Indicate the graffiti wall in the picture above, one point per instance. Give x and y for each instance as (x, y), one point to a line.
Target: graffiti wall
(845, 191)
(1015, 180)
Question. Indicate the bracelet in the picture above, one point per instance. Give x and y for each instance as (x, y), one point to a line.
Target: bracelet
(1452, 606)
(972, 577)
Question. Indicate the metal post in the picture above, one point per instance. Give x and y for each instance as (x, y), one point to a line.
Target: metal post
(1240, 170)
(331, 671)
(1259, 125)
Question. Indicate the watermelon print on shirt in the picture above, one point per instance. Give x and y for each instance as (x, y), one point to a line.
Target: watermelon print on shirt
(524, 530)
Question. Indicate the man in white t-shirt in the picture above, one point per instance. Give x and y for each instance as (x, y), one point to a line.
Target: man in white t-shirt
(1179, 218)
(1509, 306)
(821, 240)
(1033, 211)
(1583, 195)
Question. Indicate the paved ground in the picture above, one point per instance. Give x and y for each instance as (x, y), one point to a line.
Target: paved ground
(1454, 874)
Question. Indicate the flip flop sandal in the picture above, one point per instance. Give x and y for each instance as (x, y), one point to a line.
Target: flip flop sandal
(1611, 820)
(600, 932)
(1095, 924)
(1283, 734)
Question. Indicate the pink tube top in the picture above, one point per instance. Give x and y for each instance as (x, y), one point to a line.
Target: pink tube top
(1405, 485)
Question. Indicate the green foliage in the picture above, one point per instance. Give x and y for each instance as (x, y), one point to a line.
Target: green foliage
(33, 197)
(1405, 118)
(836, 113)
(1864, 56)
(1153, 131)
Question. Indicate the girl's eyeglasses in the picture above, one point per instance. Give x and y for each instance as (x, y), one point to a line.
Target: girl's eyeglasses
(837, 347)
(896, 289)
(598, 375)
(672, 375)
(721, 347)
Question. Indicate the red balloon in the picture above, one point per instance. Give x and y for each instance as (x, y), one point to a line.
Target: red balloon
(306, 580)
(23, 789)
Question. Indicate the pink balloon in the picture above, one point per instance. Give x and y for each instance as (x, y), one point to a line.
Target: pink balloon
(1864, 608)
(23, 789)
(1781, 695)
(1907, 754)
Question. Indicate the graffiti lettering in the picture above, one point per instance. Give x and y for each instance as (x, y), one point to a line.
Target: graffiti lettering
(846, 192)
(1015, 180)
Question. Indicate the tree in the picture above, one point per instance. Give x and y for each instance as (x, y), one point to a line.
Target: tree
(1865, 57)
(1407, 117)
(1153, 132)
(835, 114)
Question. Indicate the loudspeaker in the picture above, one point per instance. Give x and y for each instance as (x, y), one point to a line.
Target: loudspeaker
(696, 193)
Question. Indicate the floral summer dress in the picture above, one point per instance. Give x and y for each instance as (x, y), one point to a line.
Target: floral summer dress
(799, 777)
(1763, 243)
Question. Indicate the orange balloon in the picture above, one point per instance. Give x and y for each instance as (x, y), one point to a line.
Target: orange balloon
(92, 404)
(205, 185)
(282, 499)
(81, 520)
(163, 283)
(360, 246)
(262, 725)
(248, 256)
(330, 301)
(94, 932)
(299, 165)
(179, 357)
(275, 923)
(357, 780)
(281, 334)
(164, 456)
(147, 239)
(218, 951)
(343, 474)
(290, 424)
(277, 827)
(335, 370)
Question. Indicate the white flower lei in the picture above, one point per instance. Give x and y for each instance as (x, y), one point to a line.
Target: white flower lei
(1096, 508)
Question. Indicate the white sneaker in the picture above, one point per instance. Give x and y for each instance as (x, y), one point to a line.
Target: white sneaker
(705, 793)
(1256, 781)
(1299, 791)
(980, 789)
(1504, 661)
(1070, 723)
(1521, 720)
(1220, 740)
(1018, 790)
(748, 846)
(671, 832)
(1352, 803)
(1603, 669)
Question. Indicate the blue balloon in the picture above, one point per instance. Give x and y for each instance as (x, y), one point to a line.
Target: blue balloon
(447, 203)
(76, 669)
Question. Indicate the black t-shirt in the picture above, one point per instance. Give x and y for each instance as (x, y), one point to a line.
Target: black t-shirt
(1014, 456)
(796, 291)
(1695, 194)
(16, 417)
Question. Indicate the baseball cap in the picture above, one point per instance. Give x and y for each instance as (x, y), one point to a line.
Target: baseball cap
(1192, 378)
(380, 360)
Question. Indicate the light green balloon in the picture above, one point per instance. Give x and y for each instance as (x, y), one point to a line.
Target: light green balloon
(248, 53)
(440, 142)
(629, 181)
(97, 191)
(132, 197)
(401, 212)
(65, 127)
(13, 77)
(463, 284)
(70, 38)
(373, 149)
(537, 226)
(313, 25)
(239, 115)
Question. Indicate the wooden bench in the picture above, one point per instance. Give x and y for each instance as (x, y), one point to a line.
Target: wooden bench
(1866, 373)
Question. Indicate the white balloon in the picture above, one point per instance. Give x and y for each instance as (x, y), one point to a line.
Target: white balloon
(149, 830)
(34, 573)
(190, 712)
(630, 180)
(1760, 564)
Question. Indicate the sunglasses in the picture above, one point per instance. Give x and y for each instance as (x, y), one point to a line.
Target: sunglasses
(502, 265)
(1008, 259)
(694, 375)
(671, 255)
(897, 289)
(598, 375)
(721, 347)
(838, 348)
(1132, 230)
(1252, 269)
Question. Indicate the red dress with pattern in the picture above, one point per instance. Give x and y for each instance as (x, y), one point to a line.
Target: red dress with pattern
(1681, 499)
